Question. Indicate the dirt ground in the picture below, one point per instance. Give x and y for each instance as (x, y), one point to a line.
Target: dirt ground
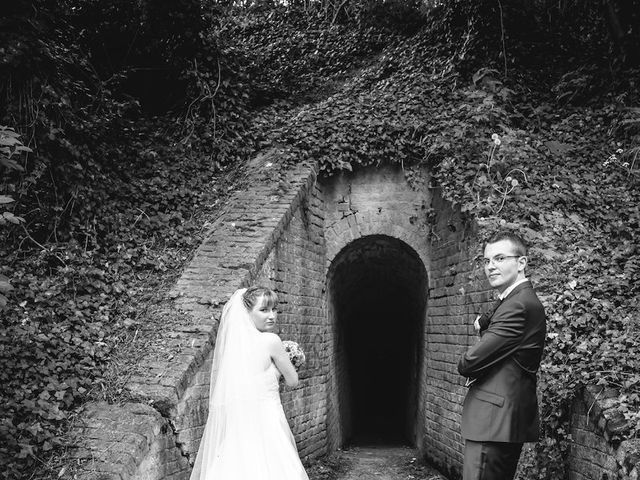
(375, 463)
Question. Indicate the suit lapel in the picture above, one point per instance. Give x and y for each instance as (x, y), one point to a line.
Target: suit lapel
(499, 302)
(494, 306)
(520, 287)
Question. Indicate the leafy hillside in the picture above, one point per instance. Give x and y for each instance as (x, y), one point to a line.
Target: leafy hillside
(526, 114)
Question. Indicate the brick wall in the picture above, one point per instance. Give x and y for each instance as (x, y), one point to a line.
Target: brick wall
(376, 230)
(382, 202)
(375, 201)
(330, 247)
(363, 207)
(295, 269)
(596, 451)
(457, 292)
(126, 441)
(270, 232)
(279, 245)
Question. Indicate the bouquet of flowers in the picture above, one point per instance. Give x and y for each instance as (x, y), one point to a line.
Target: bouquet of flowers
(296, 355)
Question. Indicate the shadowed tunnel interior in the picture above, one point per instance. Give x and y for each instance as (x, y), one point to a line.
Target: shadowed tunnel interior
(377, 293)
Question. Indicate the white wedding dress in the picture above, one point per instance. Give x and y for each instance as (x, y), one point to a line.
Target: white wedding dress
(246, 436)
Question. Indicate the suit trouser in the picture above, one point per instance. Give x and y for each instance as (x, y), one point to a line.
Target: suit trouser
(490, 460)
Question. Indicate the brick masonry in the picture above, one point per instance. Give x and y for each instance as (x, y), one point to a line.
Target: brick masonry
(596, 450)
(457, 293)
(295, 269)
(382, 202)
(127, 441)
(264, 230)
(314, 241)
(370, 215)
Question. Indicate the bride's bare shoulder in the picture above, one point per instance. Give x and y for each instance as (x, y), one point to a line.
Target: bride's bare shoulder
(270, 337)
(272, 341)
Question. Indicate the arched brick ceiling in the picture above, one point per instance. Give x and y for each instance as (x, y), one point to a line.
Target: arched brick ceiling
(376, 262)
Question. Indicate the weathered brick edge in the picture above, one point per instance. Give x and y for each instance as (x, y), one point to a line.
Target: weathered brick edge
(597, 448)
(137, 440)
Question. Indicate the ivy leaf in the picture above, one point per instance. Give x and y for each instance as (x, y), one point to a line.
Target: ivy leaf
(11, 164)
(9, 140)
(557, 148)
(11, 218)
(5, 286)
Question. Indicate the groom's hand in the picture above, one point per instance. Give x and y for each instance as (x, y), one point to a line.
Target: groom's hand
(476, 324)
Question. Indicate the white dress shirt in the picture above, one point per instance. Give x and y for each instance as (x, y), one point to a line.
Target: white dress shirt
(508, 290)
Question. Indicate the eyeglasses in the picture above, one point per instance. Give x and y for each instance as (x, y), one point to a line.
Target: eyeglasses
(498, 259)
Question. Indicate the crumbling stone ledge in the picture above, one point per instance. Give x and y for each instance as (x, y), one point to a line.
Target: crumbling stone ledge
(141, 439)
(598, 449)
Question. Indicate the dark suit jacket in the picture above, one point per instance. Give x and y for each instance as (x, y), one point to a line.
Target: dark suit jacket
(501, 405)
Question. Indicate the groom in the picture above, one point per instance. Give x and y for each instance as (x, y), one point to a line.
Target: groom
(500, 410)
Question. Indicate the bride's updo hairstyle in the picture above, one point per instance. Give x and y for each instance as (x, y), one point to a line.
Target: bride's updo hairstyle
(251, 296)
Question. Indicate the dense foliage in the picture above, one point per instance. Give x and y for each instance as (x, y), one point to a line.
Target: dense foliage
(525, 111)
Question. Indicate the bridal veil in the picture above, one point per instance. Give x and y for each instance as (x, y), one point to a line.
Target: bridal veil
(247, 436)
(234, 393)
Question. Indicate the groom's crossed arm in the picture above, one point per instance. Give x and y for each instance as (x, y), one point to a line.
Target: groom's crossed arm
(501, 340)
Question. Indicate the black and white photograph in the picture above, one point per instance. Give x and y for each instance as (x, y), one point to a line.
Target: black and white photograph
(320, 240)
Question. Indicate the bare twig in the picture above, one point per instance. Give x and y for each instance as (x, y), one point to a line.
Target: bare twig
(633, 163)
(142, 212)
(26, 232)
(337, 11)
(504, 193)
(594, 402)
(504, 50)
(520, 171)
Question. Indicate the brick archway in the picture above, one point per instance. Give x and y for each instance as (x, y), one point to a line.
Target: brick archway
(377, 289)
(333, 248)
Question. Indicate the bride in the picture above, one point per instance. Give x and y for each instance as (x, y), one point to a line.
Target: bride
(247, 436)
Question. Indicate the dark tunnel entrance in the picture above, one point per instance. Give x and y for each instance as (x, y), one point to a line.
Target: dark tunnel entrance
(377, 294)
